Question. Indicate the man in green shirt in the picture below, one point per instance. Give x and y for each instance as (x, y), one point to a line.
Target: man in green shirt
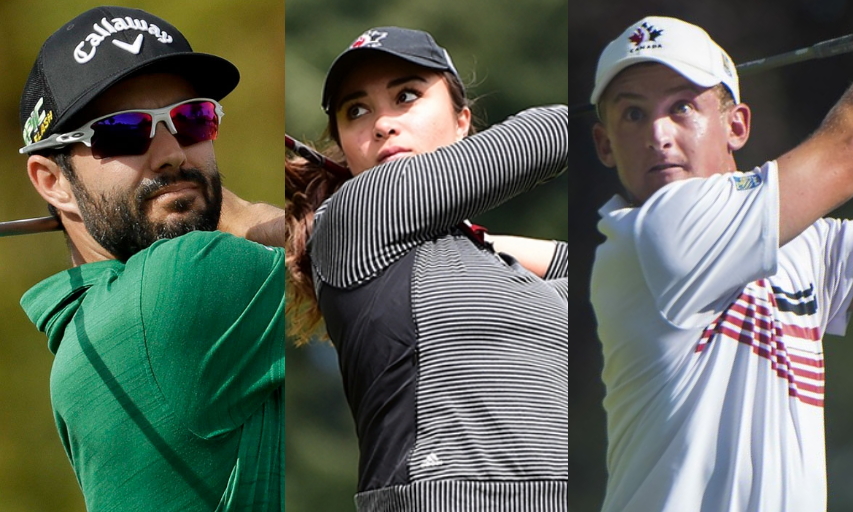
(168, 381)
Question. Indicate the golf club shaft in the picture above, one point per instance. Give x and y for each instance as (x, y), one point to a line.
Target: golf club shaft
(29, 226)
(314, 156)
(820, 50)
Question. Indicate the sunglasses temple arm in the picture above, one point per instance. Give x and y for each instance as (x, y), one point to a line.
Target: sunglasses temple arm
(48, 143)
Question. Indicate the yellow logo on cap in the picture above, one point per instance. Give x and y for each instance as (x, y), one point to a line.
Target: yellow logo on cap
(37, 124)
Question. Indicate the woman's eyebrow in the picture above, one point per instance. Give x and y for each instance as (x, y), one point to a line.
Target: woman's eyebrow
(360, 93)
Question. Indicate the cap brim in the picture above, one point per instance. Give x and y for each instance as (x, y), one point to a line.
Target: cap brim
(345, 61)
(688, 71)
(211, 76)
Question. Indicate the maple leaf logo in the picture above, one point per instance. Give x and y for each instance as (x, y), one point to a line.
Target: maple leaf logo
(654, 33)
(371, 38)
(643, 32)
(637, 37)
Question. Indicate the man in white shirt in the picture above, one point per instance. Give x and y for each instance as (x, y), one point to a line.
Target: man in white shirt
(714, 287)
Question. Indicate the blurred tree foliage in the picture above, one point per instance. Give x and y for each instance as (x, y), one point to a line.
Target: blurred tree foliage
(35, 474)
(514, 55)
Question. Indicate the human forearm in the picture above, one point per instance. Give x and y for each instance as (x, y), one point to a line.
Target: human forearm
(817, 176)
(533, 254)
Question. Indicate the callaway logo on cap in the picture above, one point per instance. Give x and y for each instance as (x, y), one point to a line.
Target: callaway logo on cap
(106, 29)
(413, 46)
(685, 48)
(99, 48)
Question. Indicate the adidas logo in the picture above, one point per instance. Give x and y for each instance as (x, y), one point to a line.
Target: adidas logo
(431, 461)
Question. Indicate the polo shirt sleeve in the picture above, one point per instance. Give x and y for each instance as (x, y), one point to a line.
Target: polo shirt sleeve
(699, 241)
(213, 321)
(559, 267)
(379, 216)
(837, 251)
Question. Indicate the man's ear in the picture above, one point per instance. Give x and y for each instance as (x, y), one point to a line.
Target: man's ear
(738, 118)
(48, 180)
(602, 145)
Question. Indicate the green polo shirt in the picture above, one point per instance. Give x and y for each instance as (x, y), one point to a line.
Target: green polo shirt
(168, 381)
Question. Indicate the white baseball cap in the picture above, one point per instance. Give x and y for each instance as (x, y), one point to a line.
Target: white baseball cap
(685, 48)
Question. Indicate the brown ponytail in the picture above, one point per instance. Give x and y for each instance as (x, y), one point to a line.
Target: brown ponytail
(307, 185)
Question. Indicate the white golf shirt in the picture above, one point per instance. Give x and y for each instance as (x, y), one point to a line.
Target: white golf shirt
(713, 360)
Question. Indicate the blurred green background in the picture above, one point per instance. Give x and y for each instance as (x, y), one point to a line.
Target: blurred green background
(35, 474)
(515, 55)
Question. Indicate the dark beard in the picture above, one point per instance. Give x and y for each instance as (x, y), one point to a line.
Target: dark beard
(120, 225)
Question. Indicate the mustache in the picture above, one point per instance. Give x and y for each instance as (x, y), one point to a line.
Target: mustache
(150, 187)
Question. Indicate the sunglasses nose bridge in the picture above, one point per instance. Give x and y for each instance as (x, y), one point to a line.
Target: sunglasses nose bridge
(165, 118)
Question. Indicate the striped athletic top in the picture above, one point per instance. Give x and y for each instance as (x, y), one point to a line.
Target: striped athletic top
(454, 359)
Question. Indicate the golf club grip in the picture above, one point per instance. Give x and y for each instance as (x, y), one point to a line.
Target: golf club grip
(29, 226)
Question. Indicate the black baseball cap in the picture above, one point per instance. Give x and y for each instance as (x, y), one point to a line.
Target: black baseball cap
(99, 48)
(411, 45)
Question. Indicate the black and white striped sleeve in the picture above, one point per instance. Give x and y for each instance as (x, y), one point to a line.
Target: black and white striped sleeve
(557, 275)
(560, 264)
(382, 214)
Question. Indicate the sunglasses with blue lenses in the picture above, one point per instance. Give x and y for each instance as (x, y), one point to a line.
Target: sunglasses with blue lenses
(129, 132)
